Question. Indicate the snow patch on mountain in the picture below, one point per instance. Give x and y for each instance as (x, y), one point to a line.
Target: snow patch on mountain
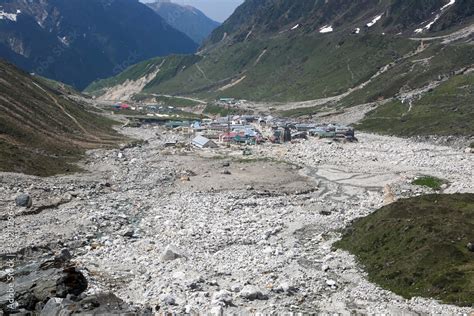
(326, 29)
(64, 40)
(436, 18)
(450, 3)
(9, 16)
(295, 27)
(374, 20)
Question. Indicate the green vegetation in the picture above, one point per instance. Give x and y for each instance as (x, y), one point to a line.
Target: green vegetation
(56, 85)
(281, 68)
(446, 110)
(417, 247)
(287, 69)
(213, 109)
(430, 182)
(176, 101)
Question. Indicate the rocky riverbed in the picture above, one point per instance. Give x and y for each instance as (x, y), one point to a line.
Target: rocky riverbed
(175, 229)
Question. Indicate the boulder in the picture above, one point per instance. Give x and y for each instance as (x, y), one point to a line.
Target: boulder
(252, 293)
(129, 233)
(171, 253)
(287, 288)
(167, 299)
(53, 307)
(388, 195)
(99, 304)
(64, 255)
(38, 281)
(23, 200)
(470, 246)
(331, 283)
(222, 297)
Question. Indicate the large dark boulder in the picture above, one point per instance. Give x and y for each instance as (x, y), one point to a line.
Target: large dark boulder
(37, 282)
(23, 200)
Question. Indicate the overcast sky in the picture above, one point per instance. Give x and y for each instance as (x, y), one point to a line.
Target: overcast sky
(218, 10)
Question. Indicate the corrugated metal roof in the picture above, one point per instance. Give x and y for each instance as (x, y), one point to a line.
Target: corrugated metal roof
(201, 141)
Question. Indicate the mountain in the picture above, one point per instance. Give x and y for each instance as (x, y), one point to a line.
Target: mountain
(42, 130)
(77, 41)
(334, 54)
(186, 19)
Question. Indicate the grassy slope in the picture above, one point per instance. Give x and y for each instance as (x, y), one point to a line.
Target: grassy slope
(36, 136)
(447, 110)
(293, 68)
(417, 247)
(59, 86)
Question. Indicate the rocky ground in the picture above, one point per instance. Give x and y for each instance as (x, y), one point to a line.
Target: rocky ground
(193, 231)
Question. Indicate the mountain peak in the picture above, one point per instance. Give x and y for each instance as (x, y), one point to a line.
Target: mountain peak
(185, 18)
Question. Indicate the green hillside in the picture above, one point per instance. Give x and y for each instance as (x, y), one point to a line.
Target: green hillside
(417, 247)
(42, 132)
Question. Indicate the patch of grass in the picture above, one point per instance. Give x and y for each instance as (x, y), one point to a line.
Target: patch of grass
(417, 247)
(213, 109)
(430, 182)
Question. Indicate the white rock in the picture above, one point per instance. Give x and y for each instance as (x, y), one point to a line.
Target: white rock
(330, 282)
(222, 297)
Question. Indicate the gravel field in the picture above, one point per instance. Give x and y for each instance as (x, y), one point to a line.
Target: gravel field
(210, 231)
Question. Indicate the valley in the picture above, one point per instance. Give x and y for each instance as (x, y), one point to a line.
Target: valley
(257, 238)
(301, 157)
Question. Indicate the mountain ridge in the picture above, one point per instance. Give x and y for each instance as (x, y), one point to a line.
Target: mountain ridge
(76, 43)
(336, 56)
(185, 18)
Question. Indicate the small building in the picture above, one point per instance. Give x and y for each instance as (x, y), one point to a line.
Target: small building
(227, 137)
(203, 142)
